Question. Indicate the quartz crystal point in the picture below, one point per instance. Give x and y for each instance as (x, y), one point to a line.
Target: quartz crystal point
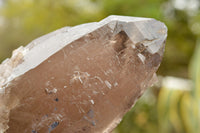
(80, 79)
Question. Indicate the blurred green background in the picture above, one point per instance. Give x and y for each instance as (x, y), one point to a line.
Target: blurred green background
(173, 105)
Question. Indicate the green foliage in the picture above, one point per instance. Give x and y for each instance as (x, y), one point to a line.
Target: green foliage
(141, 8)
(179, 110)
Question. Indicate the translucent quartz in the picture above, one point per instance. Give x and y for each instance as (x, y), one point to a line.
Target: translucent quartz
(80, 79)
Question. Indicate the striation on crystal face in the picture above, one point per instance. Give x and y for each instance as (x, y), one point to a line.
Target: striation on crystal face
(80, 79)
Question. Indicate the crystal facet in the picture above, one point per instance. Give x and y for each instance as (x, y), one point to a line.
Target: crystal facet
(80, 79)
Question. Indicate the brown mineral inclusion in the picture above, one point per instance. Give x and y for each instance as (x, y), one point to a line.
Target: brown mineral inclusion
(81, 79)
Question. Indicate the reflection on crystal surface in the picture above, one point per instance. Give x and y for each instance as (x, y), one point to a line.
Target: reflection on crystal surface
(96, 71)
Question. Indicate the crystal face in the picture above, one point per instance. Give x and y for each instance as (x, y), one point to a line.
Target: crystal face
(80, 79)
